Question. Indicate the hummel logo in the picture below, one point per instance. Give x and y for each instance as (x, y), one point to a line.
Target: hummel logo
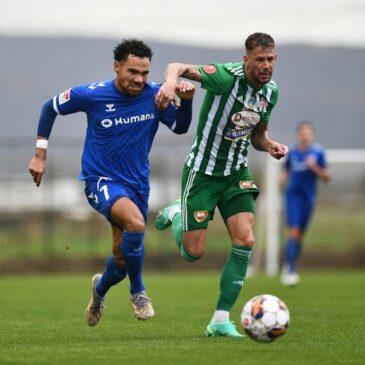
(109, 108)
(238, 282)
(240, 99)
(93, 197)
(95, 85)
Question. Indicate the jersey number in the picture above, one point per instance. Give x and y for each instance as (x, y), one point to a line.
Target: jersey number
(104, 189)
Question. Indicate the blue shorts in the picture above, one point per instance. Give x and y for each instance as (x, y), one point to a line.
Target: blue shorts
(102, 193)
(299, 209)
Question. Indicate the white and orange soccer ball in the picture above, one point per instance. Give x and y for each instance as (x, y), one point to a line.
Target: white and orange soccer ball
(265, 318)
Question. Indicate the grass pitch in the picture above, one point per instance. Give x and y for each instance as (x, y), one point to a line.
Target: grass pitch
(42, 322)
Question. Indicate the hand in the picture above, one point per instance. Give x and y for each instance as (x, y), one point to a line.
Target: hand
(278, 150)
(311, 162)
(185, 90)
(37, 168)
(166, 94)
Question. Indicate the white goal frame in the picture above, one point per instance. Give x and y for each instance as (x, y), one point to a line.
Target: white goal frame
(269, 207)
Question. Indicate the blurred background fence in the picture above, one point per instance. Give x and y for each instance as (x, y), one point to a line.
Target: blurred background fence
(53, 227)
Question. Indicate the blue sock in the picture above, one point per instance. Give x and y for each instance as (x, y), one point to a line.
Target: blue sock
(112, 275)
(133, 255)
(292, 251)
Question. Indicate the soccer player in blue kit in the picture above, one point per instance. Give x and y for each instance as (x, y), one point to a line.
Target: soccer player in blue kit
(305, 164)
(122, 120)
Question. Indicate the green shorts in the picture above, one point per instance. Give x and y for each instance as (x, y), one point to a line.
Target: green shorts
(202, 193)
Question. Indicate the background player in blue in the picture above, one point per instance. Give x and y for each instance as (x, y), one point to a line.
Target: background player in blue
(122, 120)
(305, 163)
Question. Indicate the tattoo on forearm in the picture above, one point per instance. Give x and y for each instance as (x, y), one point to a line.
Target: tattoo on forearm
(192, 73)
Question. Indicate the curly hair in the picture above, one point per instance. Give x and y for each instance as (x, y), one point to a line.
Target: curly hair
(133, 47)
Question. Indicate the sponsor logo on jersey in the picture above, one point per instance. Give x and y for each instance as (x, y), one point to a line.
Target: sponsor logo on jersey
(107, 123)
(209, 69)
(244, 122)
(64, 97)
(247, 184)
(245, 118)
(235, 135)
(200, 215)
(109, 108)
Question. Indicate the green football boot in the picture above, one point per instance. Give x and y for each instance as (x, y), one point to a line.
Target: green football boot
(225, 329)
(164, 217)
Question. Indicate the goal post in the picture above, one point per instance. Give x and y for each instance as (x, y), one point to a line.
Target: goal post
(269, 208)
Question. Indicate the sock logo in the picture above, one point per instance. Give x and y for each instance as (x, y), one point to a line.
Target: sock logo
(200, 215)
(238, 282)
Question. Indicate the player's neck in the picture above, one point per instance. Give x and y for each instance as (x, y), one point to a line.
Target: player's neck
(254, 83)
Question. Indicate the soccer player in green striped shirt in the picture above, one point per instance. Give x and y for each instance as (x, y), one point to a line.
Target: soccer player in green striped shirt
(235, 112)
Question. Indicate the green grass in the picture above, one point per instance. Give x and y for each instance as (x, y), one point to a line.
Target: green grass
(42, 322)
(49, 234)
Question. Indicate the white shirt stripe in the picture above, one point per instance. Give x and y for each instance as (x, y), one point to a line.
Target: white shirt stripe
(220, 128)
(206, 131)
(227, 170)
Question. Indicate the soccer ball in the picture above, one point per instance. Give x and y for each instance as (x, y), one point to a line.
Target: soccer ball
(265, 318)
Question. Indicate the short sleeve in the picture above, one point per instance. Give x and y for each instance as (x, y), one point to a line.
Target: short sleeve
(216, 78)
(71, 101)
(265, 117)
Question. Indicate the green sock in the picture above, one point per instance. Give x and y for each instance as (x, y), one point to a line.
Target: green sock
(233, 276)
(177, 234)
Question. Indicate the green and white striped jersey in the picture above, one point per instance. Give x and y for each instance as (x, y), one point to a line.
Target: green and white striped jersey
(231, 109)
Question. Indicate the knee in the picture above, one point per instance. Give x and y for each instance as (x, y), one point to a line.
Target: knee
(195, 252)
(193, 249)
(247, 240)
(295, 234)
(135, 225)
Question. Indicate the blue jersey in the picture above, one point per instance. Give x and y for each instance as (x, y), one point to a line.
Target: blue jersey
(302, 179)
(120, 130)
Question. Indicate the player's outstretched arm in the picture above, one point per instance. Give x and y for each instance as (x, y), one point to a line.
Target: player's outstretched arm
(173, 71)
(37, 165)
(260, 140)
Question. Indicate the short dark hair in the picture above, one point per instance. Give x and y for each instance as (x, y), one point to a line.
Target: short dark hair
(262, 40)
(303, 124)
(133, 47)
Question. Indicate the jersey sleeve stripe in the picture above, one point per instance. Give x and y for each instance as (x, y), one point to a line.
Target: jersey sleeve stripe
(173, 126)
(55, 104)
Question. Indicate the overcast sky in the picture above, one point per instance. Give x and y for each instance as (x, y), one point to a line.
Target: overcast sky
(213, 23)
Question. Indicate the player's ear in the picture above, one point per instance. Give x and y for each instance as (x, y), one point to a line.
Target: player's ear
(116, 66)
(245, 59)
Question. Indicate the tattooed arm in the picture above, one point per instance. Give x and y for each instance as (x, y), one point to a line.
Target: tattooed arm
(260, 140)
(173, 71)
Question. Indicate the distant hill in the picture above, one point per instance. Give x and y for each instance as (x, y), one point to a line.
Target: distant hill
(325, 85)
